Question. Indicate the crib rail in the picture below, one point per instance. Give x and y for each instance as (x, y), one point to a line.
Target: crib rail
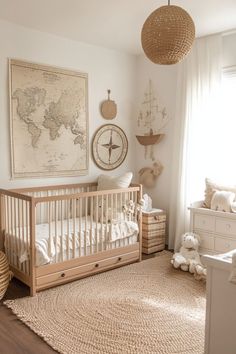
(83, 223)
(57, 189)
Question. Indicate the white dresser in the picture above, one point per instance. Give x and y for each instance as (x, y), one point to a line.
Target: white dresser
(217, 229)
(220, 334)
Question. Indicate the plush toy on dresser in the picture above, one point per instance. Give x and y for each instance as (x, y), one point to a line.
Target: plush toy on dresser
(188, 259)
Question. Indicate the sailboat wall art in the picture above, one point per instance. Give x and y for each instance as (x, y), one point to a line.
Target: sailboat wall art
(152, 119)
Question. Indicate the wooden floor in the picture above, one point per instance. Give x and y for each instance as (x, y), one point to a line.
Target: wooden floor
(15, 336)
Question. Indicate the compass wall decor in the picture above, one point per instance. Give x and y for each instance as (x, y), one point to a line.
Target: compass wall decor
(109, 147)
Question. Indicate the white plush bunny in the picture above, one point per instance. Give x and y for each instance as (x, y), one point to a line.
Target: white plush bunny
(188, 258)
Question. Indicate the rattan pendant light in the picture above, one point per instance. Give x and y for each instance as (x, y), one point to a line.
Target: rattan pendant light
(168, 35)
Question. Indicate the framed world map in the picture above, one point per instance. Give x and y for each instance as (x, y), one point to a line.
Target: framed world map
(48, 121)
(109, 147)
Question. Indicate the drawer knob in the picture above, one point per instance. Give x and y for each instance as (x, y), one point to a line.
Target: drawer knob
(120, 258)
(63, 275)
(96, 265)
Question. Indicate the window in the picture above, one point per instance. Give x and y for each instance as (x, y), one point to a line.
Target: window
(226, 128)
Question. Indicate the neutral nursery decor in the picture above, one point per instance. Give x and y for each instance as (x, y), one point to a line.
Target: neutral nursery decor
(154, 230)
(56, 234)
(152, 119)
(146, 203)
(221, 305)
(168, 34)
(5, 274)
(222, 201)
(147, 307)
(108, 108)
(188, 259)
(214, 218)
(48, 120)
(212, 187)
(148, 175)
(109, 147)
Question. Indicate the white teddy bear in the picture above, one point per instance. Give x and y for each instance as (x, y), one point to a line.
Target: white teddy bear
(188, 258)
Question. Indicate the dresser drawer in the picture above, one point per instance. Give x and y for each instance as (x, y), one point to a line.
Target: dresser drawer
(204, 222)
(207, 241)
(223, 245)
(225, 226)
(152, 219)
(154, 227)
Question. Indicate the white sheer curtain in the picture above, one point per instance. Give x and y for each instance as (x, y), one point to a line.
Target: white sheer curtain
(197, 115)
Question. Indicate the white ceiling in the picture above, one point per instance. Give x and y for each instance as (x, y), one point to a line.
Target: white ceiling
(112, 23)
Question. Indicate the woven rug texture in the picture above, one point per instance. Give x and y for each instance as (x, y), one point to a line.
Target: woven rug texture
(142, 308)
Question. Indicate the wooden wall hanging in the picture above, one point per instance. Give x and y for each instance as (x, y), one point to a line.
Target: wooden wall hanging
(108, 108)
(153, 119)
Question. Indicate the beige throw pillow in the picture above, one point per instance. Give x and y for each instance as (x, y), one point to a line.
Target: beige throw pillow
(211, 188)
(108, 182)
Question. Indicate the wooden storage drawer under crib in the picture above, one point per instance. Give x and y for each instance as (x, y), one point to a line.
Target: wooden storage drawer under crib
(153, 231)
(96, 265)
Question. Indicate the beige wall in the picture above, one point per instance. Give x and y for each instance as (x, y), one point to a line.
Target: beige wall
(106, 69)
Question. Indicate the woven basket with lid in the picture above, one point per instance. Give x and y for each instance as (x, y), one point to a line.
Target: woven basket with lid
(5, 274)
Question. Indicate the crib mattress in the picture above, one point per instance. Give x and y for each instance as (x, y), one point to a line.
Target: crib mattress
(72, 238)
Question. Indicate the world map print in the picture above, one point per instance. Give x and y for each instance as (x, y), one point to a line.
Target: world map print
(48, 121)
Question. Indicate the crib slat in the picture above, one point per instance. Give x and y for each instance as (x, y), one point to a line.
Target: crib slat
(102, 226)
(15, 233)
(68, 229)
(136, 206)
(13, 236)
(91, 225)
(74, 230)
(7, 226)
(23, 231)
(80, 226)
(62, 232)
(55, 222)
(85, 227)
(116, 207)
(97, 223)
(107, 218)
(19, 236)
(27, 235)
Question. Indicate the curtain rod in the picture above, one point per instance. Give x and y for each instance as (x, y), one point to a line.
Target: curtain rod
(229, 32)
(224, 33)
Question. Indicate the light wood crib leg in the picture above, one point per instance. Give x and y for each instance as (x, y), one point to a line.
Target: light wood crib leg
(32, 290)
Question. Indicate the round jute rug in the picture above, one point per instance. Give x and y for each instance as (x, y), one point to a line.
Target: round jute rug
(145, 307)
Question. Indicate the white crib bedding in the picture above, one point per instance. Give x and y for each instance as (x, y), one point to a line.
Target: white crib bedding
(97, 238)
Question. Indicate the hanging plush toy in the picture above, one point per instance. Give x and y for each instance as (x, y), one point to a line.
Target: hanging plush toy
(188, 258)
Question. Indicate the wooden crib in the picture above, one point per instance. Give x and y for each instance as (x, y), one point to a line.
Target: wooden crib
(55, 234)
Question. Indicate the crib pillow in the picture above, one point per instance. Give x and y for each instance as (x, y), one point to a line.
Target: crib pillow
(222, 201)
(107, 182)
